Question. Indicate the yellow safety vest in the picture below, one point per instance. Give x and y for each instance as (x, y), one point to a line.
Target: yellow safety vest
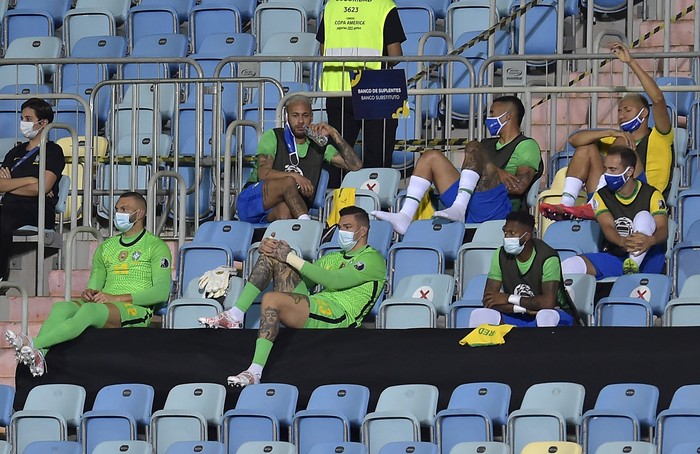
(352, 28)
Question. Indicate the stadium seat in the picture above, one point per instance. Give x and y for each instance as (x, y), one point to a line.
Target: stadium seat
(82, 23)
(48, 413)
(303, 235)
(545, 412)
(428, 295)
(629, 447)
(439, 7)
(406, 313)
(416, 17)
(117, 8)
(266, 447)
(124, 447)
(53, 447)
(474, 258)
(411, 447)
(541, 31)
(574, 237)
(621, 413)
(400, 413)
(581, 288)
(182, 7)
(56, 9)
(339, 448)
(207, 20)
(685, 258)
(380, 236)
(188, 412)
(120, 412)
(685, 310)
(332, 411)
(633, 300)
(6, 448)
(375, 188)
(552, 447)
(676, 425)
(142, 21)
(197, 447)
(7, 399)
(476, 447)
(277, 17)
(262, 411)
(184, 313)
(461, 312)
(37, 47)
(473, 412)
(246, 7)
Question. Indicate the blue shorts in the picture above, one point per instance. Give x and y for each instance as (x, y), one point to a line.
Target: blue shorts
(250, 204)
(609, 265)
(483, 205)
(528, 321)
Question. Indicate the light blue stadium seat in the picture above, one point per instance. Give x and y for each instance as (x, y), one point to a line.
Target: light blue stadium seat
(207, 20)
(246, 7)
(25, 23)
(53, 447)
(622, 412)
(675, 426)
(461, 312)
(277, 17)
(7, 399)
(304, 236)
(197, 447)
(124, 447)
(56, 9)
(297, 44)
(143, 21)
(38, 47)
(267, 447)
(406, 313)
(215, 243)
(82, 23)
(685, 310)
(476, 447)
(5, 447)
(467, 16)
(400, 413)
(439, 7)
(475, 257)
(184, 313)
(47, 414)
(182, 7)
(312, 8)
(339, 448)
(206, 188)
(628, 447)
(581, 288)
(581, 236)
(416, 17)
(472, 414)
(540, 29)
(120, 412)
(375, 188)
(117, 8)
(413, 447)
(606, 6)
(655, 288)
(190, 409)
(329, 416)
(426, 247)
(545, 412)
(261, 412)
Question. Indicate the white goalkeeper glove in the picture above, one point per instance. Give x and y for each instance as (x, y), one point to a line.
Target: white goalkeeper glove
(215, 282)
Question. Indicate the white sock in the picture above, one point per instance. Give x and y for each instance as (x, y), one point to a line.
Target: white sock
(467, 183)
(643, 222)
(236, 313)
(305, 216)
(255, 369)
(573, 265)
(572, 186)
(417, 187)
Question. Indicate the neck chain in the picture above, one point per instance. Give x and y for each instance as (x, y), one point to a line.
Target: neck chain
(121, 239)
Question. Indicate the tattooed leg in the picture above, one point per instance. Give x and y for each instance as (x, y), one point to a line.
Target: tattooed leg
(286, 278)
(261, 274)
(269, 324)
(292, 309)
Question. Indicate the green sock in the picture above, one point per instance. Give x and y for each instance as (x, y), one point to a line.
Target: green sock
(60, 312)
(263, 347)
(248, 295)
(90, 314)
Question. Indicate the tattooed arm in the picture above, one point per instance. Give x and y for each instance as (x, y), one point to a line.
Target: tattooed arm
(346, 158)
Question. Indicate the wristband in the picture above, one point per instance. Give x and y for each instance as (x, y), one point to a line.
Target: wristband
(514, 299)
(294, 261)
(518, 309)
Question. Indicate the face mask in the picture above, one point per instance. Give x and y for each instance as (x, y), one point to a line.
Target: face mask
(615, 182)
(512, 246)
(27, 128)
(494, 124)
(633, 124)
(122, 222)
(346, 240)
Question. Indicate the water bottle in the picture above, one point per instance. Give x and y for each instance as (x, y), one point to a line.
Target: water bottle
(320, 140)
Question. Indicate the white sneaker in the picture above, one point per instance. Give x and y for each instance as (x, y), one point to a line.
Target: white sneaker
(36, 361)
(17, 341)
(221, 320)
(243, 379)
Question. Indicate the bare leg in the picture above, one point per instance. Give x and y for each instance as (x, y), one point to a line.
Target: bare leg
(586, 165)
(436, 168)
(283, 190)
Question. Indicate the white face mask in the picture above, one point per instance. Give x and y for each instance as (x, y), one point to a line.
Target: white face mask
(512, 245)
(122, 222)
(27, 129)
(346, 240)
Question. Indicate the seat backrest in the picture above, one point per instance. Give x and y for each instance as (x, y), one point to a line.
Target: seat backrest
(53, 447)
(227, 44)
(346, 399)
(412, 447)
(637, 447)
(302, 234)
(585, 234)
(291, 43)
(135, 399)
(347, 447)
(636, 398)
(681, 100)
(416, 399)
(204, 398)
(552, 447)
(480, 447)
(236, 235)
(118, 8)
(184, 313)
(206, 20)
(278, 399)
(416, 18)
(653, 288)
(64, 399)
(686, 397)
(490, 398)
(78, 24)
(182, 7)
(581, 288)
(277, 17)
(100, 47)
(196, 447)
(436, 288)
(7, 399)
(267, 447)
(63, 193)
(565, 398)
(691, 287)
(490, 232)
(466, 15)
(143, 20)
(35, 47)
(6, 447)
(123, 447)
(448, 236)
(382, 181)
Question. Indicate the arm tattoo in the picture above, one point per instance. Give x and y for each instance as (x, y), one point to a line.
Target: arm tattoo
(489, 178)
(269, 324)
(264, 163)
(286, 278)
(350, 159)
(261, 273)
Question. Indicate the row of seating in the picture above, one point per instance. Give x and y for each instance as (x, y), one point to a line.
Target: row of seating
(476, 412)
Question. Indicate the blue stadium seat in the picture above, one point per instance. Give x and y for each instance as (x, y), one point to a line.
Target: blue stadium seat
(55, 8)
(676, 425)
(7, 399)
(413, 447)
(439, 7)
(206, 20)
(277, 17)
(182, 7)
(124, 447)
(339, 448)
(541, 32)
(474, 258)
(23, 24)
(142, 21)
(574, 237)
(476, 447)
(53, 447)
(416, 17)
(246, 7)
(82, 23)
(117, 8)
(197, 447)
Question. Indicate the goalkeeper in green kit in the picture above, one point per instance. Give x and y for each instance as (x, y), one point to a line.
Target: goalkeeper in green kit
(130, 275)
(352, 280)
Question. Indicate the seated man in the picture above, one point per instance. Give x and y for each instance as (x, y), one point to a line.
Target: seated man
(654, 146)
(352, 279)
(496, 173)
(130, 275)
(633, 218)
(529, 271)
(284, 181)
(19, 179)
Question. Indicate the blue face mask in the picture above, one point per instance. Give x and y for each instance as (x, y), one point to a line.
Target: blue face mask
(512, 246)
(633, 124)
(615, 182)
(122, 222)
(494, 124)
(346, 240)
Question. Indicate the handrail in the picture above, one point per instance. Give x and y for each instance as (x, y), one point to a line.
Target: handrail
(70, 238)
(151, 203)
(25, 302)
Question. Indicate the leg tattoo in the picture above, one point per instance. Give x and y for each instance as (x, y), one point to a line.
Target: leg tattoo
(294, 201)
(286, 278)
(269, 324)
(261, 274)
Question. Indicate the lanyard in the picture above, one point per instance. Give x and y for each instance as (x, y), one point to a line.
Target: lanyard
(291, 143)
(29, 154)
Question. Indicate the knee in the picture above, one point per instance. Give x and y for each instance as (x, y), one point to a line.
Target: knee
(289, 183)
(431, 155)
(590, 151)
(64, 307)
(269, 300)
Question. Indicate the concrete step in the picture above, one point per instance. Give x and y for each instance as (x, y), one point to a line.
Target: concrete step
(572, 110)
(39, 307)
(681, 33)
(57, 282)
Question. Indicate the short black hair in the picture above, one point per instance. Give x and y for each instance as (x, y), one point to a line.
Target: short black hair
(523, 218)
(41, 108)
(515, 103)
(140, 199)
(628, 157)
(361, 215)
